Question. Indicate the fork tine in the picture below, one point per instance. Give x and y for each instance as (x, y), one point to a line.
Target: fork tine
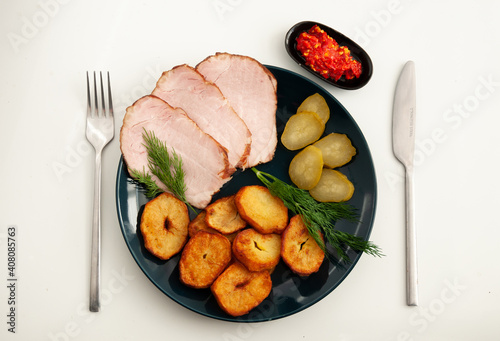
(103, 102)
(96, 102)
(89, 104)
(110, 100)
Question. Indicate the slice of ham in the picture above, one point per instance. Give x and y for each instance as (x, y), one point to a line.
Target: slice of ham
(184, 87)
(250, 89)
(205, 161)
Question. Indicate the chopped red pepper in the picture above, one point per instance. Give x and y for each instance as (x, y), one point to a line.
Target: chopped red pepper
(324, 55)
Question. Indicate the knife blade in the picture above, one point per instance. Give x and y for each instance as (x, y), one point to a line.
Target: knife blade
(403, 140)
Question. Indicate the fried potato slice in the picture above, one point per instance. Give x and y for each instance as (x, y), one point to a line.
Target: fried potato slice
(316, 103)
(333, 186)
(257, 251)
(164, 226)
(223, 216)
(238, 290)
(203, 259)
(198, 224)
(306, 167)
(299, 250)
(231, 236)
(262, 210)
(337, 149)
(301, 130)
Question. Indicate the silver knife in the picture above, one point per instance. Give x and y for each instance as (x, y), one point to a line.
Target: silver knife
(403, 143)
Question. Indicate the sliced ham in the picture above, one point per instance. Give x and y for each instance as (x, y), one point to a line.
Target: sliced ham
(184, 87)
(205, 161)
(251, 91)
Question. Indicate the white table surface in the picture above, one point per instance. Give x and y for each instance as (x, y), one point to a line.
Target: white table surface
(46, 169)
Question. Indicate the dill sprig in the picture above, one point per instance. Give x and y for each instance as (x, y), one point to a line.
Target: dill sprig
(167, 168)
(320, 216)
(145, 179)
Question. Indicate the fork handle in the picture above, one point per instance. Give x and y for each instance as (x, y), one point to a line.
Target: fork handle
(411, 243)
(95, 261)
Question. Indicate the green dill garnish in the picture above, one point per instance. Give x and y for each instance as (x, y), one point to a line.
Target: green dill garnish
(145, 179)
(319, 216)
(167, 168)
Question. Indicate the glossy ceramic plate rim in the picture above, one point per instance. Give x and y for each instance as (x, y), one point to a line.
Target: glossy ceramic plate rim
(356, 51)
(262, 314)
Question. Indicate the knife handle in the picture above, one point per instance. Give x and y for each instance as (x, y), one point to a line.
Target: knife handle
(411, 243)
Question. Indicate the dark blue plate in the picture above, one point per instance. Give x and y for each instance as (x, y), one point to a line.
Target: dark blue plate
(290, 293)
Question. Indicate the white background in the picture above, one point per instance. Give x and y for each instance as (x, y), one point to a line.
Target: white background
(46, 163)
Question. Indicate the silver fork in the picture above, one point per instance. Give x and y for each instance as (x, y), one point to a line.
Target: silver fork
(100, 130)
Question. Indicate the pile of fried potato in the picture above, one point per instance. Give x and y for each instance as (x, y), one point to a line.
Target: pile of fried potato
(233, 245)
(312, 168)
